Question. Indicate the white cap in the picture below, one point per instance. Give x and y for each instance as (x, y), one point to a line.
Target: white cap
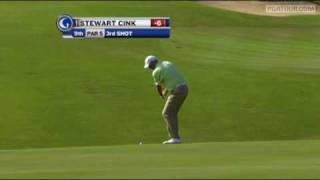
(149, 59)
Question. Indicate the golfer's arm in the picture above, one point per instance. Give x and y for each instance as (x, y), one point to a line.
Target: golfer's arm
(159, 88)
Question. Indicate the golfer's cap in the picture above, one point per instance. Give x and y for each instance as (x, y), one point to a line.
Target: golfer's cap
(149, 59)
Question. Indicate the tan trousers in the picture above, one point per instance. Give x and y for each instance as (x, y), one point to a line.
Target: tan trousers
(171, 109)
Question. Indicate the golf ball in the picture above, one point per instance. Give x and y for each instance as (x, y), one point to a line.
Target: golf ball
(140, 142)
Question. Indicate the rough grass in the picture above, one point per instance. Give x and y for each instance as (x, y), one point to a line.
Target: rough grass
(250, 77)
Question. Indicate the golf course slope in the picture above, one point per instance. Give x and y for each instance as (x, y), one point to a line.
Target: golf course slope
(272, 159)
(250, 78)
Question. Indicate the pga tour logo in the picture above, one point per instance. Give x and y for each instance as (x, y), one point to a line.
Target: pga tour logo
(64, 23)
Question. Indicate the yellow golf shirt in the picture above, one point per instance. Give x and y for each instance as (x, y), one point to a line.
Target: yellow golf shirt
(166, 75)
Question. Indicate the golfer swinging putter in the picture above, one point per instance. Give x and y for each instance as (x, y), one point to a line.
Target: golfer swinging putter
(167, 79)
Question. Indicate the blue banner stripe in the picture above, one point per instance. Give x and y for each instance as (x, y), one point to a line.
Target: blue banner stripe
(125, 33)
(168, 22)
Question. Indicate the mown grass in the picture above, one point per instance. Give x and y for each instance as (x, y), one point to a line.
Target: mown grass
(258, 160)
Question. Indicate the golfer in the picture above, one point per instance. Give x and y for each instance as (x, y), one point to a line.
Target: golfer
(168, 80)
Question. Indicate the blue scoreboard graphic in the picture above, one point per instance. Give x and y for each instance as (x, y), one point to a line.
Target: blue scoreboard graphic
(113, 27)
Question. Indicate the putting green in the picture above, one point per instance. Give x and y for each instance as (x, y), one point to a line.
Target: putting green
(270, 159)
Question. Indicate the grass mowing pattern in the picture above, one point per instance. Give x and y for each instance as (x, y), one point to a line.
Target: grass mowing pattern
(274, 159)
(250, 77)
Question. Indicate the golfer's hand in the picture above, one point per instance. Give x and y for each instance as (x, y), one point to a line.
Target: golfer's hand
(164, 92)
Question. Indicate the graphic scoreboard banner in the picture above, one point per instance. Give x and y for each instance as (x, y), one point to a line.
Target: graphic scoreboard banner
(114, 27)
